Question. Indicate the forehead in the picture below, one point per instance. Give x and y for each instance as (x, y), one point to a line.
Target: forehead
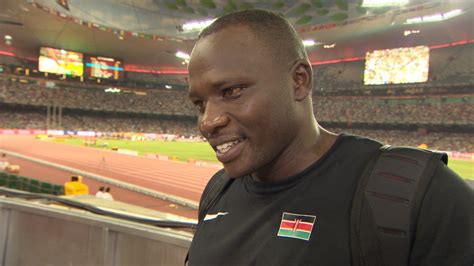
(234, 52)
(231, 46)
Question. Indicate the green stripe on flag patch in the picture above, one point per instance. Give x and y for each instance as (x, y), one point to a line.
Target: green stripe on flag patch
(294, 234)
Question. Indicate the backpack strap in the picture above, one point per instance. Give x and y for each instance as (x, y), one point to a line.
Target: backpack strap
(387, 202)
(212, 193)
(219, 182)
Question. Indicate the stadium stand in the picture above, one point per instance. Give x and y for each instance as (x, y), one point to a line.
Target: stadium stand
(17, 116)
(421, 110)
(71, 96)
(395, 113)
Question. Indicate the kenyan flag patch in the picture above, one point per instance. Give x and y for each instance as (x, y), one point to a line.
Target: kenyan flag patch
(296, 225)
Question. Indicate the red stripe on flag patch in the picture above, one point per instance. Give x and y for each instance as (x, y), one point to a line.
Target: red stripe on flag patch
(296, 225)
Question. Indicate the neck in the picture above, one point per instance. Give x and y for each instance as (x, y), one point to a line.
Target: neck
(300, 154)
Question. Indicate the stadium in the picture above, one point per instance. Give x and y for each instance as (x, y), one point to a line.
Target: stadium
(98, 90)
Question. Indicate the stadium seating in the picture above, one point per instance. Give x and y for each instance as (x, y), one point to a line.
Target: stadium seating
(29, 184)
(340, 100)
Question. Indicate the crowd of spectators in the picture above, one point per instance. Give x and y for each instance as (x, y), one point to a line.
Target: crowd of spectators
(35, 119)
(415, 109)
(16, 118)
(421, 110)
(154, 101)
(444, 141)
(339, 98)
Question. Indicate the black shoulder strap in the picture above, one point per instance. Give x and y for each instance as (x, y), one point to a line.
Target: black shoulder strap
(213, 193)
(220, 182)
(387, 202)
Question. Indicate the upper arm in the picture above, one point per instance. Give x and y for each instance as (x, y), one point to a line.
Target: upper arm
(445, 229)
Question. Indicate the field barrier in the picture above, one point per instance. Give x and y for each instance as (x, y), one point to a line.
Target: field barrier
(40, 234)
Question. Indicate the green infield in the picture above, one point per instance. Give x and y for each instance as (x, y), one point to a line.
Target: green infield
(464, 168)
(184, 150)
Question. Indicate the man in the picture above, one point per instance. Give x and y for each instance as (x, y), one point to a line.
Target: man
(106, 195)
(4, 162)
(251, 80)
(100, 193)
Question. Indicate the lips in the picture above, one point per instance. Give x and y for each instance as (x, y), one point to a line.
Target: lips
(225, 147)
(229, 150)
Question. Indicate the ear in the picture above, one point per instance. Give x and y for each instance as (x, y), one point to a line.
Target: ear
(302, 79)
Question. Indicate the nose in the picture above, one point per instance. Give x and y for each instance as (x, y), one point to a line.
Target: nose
(212, 120)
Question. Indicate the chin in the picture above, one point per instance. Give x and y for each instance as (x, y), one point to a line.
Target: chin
(236, 170)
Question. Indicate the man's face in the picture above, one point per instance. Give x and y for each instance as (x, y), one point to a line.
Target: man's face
(246, 104)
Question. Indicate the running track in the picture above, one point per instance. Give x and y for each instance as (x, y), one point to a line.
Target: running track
(175, 178)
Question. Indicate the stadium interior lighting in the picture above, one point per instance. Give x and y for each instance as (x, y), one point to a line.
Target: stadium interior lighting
(431, 18)
(329, 46)
(452, 13)
(168, 87)
(182, 55)
(113, 90)
(408, 32)
(194, 26)
(434, 17)
(308, 43)
(8, 40)
(382, 3)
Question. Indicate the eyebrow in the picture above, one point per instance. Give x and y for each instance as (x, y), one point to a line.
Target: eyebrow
(213, 86)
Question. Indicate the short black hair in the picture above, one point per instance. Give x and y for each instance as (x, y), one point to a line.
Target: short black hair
(270, 27)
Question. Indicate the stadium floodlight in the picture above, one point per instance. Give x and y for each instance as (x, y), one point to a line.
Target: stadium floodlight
(452, 13)
(113, 90)
(8, 40)
(195, 26)
(432, 18)
(168, 87)
(414, 20)
(382, 3)
(408, 32)
(308, 43)
(435, 17)
(182, 55)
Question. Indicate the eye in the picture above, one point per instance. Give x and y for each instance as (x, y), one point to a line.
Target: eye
(232, 92)
(199, 105)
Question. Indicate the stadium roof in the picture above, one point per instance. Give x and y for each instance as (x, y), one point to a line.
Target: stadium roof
(150, 32)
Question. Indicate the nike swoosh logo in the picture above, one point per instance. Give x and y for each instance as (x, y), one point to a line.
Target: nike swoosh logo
(214, 216)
